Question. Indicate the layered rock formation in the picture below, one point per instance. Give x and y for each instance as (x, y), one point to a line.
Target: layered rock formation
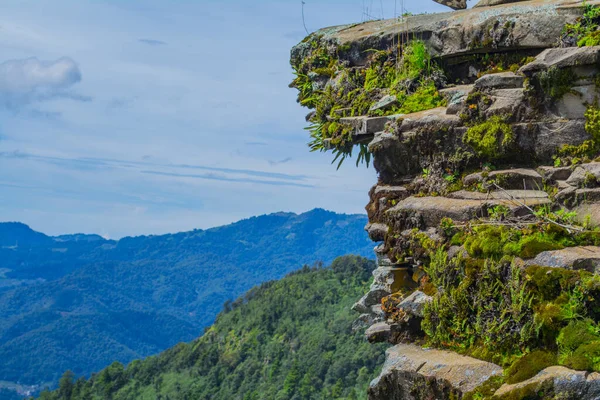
(484, 128)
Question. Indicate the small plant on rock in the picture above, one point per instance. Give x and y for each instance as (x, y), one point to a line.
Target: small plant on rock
(584, 32)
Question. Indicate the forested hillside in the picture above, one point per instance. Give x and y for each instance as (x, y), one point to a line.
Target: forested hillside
(287, 339)
(80, 302)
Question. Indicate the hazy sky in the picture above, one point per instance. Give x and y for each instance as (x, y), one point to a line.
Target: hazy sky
(135, 117)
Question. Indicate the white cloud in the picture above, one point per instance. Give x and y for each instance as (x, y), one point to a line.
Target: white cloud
(27, 80)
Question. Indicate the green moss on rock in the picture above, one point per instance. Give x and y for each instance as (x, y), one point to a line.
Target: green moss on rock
(529, 365)
(490, 139)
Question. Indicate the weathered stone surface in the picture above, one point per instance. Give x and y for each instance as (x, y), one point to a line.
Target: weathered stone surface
(385, 103)
(361, 307)
(376, 231)
(581, 196)
(575, 103)
(525, 24)
(427, 117)
(413, 373)
(555, 383)
(562, 58)
(371, 298)
(555, 173)
(366, 126)
(456, 97)
(585, 257)
(518, 178)
(378, 312)
(386, 280)
(400, 156)
(419, 212)
(397, 191)
(379, 332)
(423, 212)
(408, 149)
(507, 102)
(384, 261)
(414, 303)
(566, 195)
(489, 3)
(585, 175)
(454, 4)
(456, 91)
(572, 197)
(588, 214)
(551, 136)
(502, 80)
(380, 250)
(523, 196)
(562, 185)
(364, 321)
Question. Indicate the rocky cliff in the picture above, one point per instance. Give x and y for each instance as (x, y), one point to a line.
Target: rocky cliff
(484, 128)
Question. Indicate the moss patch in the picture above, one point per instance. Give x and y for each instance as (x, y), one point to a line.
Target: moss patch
(487, 390)
(492, 241)
(529, 365)
(524, 319)
(490, 139)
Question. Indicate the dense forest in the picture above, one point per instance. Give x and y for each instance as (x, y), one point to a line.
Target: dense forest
(287, 339)
(80, 302)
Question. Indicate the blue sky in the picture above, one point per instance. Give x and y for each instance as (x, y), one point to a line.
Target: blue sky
(146, 117)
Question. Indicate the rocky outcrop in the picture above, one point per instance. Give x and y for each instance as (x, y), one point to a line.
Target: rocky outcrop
(484, 128)
(489, 3)
(580, 257)
(413, 373)
(454, 4)
(554, 383)
(535, 24)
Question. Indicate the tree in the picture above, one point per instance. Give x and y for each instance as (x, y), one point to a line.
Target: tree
(65, 386)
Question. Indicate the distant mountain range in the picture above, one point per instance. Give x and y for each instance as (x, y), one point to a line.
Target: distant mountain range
(289, 339)
(80, 302)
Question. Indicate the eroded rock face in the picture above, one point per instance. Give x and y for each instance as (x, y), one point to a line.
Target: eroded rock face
(502, 80)
(489, 3)
(413, 373)
(498, 170)
(522, 24)
(580, 257)
(554, 383)
(414, 303)
(454, 4)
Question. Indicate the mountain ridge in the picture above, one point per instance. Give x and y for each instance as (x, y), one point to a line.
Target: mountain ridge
(292, 338)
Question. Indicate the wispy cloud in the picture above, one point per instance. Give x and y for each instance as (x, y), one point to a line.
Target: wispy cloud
(24, 81)
(152, 42)
(221, 177)
(285, 160)
(213, 173)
